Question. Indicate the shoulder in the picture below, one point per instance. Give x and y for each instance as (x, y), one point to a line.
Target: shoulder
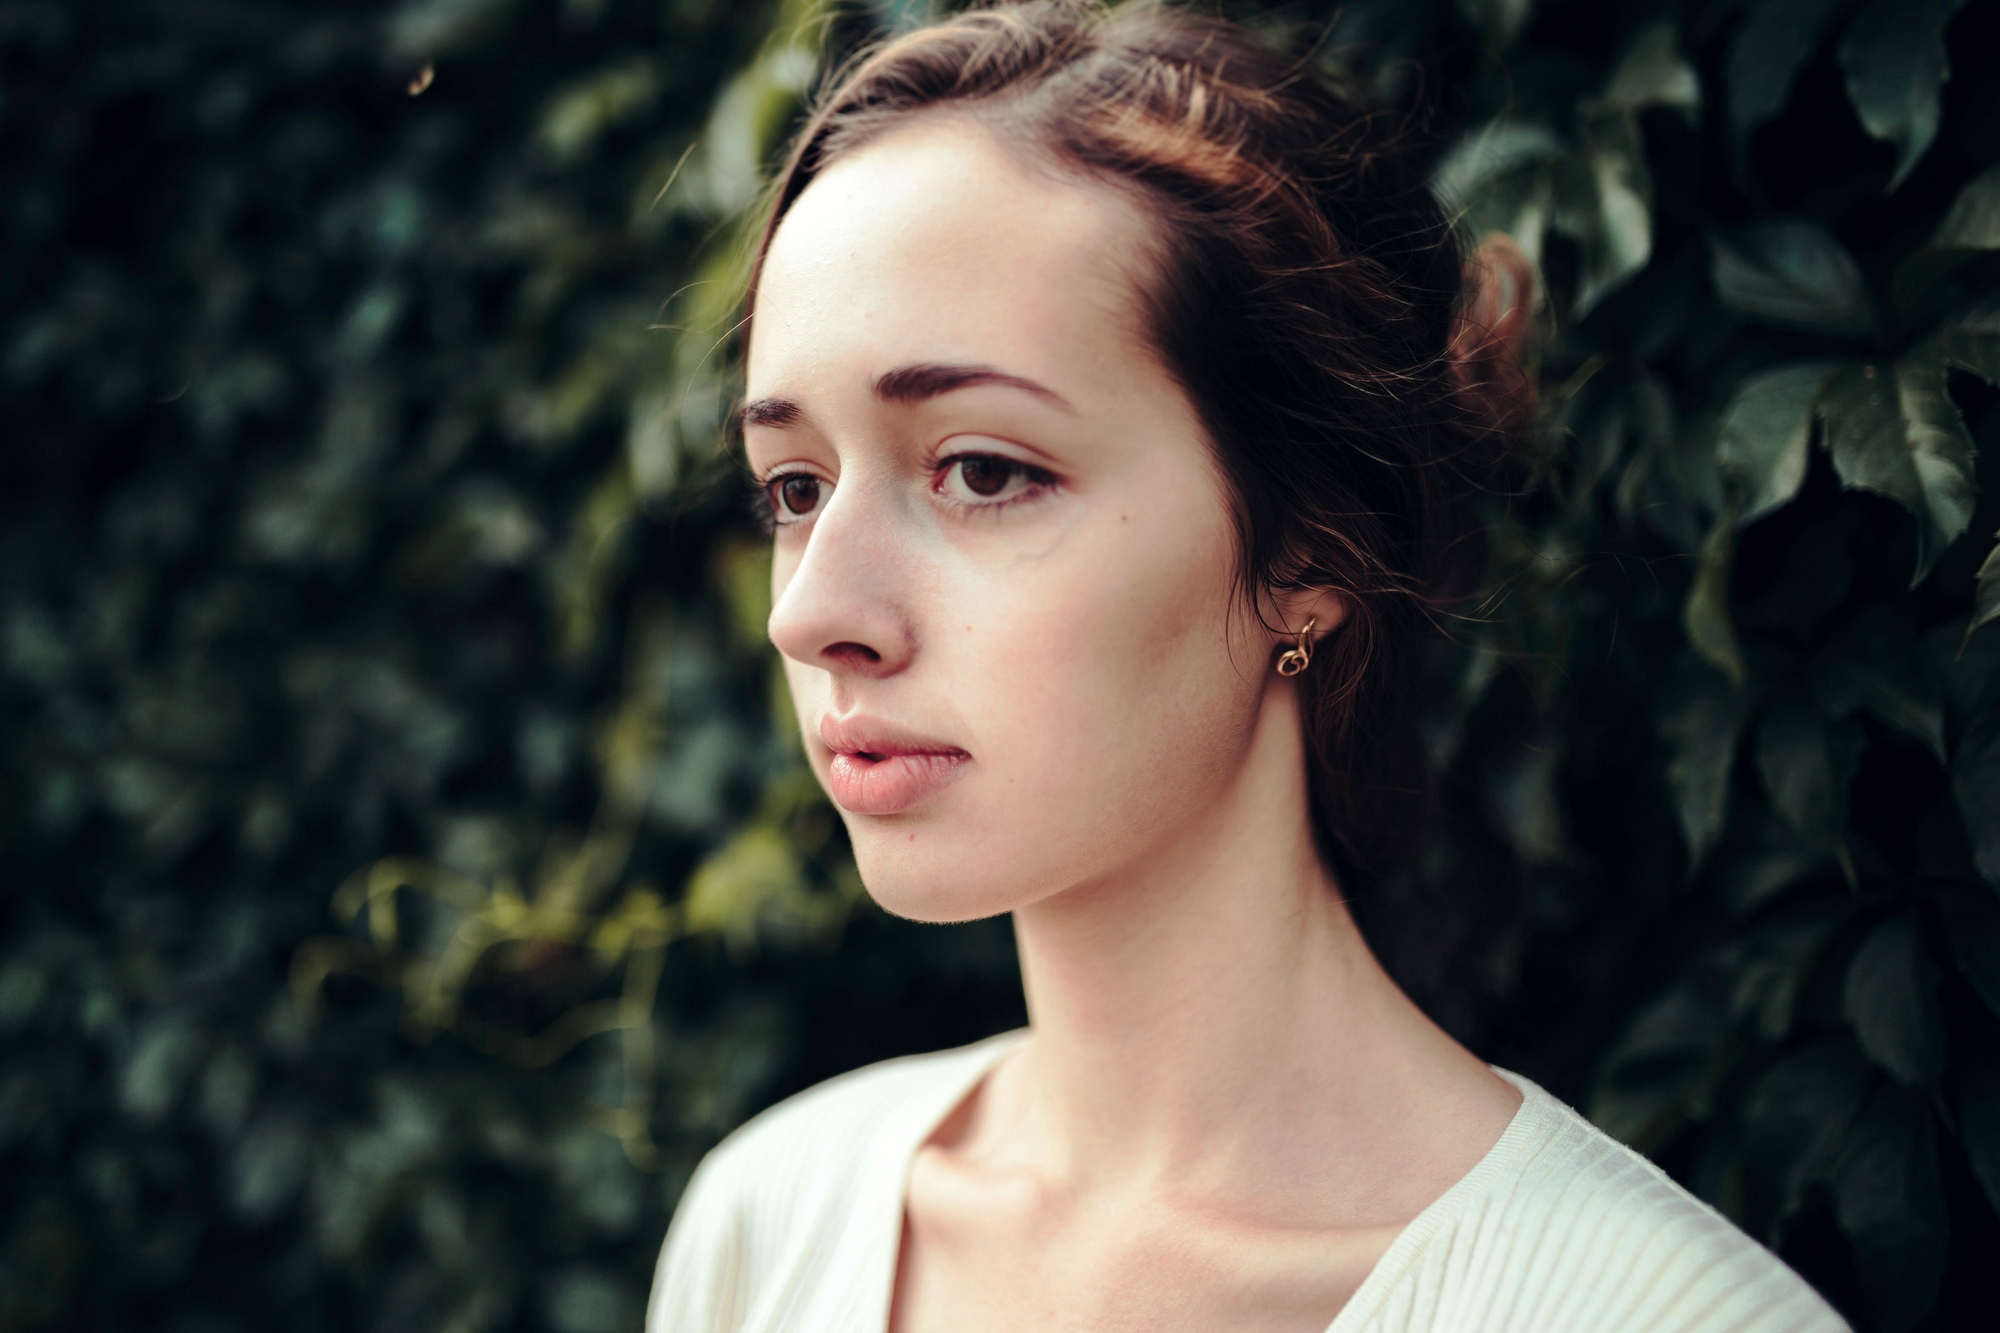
(1565, 1228)
(787, 1183)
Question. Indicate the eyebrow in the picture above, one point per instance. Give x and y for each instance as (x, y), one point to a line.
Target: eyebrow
(778, 412)
(908, 384)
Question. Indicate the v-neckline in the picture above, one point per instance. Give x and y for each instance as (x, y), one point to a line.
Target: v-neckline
(1382, 1277)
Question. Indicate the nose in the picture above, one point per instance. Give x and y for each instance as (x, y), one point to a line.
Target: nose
(842, 608)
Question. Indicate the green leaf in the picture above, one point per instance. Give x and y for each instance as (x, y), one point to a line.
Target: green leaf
(1975, 781)
(1670, 483)
(1898, 433)
(1972, 923)
(1890, 1203)
(1607, 208)
(1971, 344)
(1774, 43)
(1498, 179)
(1769, 860)
(1663, 1068)
(1894, 57)
(1500, 148)
(1974, 220)
(1530, 799)
(164, 1052)
(1705, 617)
(1796, 1118)
(1966, 663)
(1970, 228)
(1872, 663)
(1891, 999)
(1793, 274)
(1652, 73)
(1761, 445)
(1771, 964)
(1498, 22)
(1808, 763)
(1986, 592)
(1701, 720)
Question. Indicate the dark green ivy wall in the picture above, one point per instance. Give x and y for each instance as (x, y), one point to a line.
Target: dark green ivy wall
(405, 874)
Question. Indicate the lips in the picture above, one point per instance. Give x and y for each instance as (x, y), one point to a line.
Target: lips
(878, 769)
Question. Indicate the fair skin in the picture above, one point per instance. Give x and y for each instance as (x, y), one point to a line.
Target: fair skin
(1005, 594)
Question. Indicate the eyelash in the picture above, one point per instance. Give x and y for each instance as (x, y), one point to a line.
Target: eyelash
(1039, 481)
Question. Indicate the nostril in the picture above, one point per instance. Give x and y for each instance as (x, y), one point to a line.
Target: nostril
(853, 654)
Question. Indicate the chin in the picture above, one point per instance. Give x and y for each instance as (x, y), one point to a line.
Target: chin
(919, 872)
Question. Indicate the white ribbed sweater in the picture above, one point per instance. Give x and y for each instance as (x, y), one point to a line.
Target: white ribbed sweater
(795, 1221)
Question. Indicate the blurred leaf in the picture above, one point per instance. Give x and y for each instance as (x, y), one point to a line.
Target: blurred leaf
(268, 1165)
(1497, 178)
(1518, 178)
(1671, 483)
(164, 1052)
(1897, 433)
(579, 114)
(1706, 615)
(1607, 207)
(1663, 1069)
(1793, 274)
(1986, 592)
(1766, 428)
(1765, 56)
(1652, 73)
(585, 1300)
(419, 29)
(1975, 781)
(1772, 963)
(1971, 343)
(1769, 860)
(1971, 227)
(1808, 763)
(1894, 57)
(1872, 663)
(1967, 662)
(1891, 999)
(1797, 1114)
(1611, 219)
(1530, 800)
(1498, 22)
(1889, 1202)
(1972, 923)
(1701, 719)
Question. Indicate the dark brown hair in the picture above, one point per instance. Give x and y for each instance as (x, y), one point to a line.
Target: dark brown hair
(1307, 295)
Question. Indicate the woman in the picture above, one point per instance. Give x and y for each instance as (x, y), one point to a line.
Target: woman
(1112, 388)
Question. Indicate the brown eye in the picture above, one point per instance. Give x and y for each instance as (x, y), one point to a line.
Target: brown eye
(799, 493)
(986, 476)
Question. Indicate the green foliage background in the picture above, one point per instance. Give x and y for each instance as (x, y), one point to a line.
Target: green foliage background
(407, 871)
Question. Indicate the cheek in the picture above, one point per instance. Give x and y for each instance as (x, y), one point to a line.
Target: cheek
(1109, 678)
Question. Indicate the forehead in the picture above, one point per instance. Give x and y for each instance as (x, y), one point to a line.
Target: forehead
(936, 242)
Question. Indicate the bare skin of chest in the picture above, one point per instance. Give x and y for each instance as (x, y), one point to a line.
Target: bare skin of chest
(991, 1252)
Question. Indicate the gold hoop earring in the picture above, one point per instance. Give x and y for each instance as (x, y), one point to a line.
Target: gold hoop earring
(1294, 660)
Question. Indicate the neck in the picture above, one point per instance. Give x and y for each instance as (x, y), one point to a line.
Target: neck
(1197, 1015)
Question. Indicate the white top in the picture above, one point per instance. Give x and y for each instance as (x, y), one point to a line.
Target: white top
(795, 1221)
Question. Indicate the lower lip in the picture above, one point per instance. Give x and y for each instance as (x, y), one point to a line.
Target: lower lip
(890, 784)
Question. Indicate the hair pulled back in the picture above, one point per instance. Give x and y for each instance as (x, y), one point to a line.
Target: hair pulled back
(1307, 293)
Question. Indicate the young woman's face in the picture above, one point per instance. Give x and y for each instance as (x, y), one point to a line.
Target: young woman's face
(1004, 560)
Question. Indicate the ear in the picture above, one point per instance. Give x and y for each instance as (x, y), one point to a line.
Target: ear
(1326, 609)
